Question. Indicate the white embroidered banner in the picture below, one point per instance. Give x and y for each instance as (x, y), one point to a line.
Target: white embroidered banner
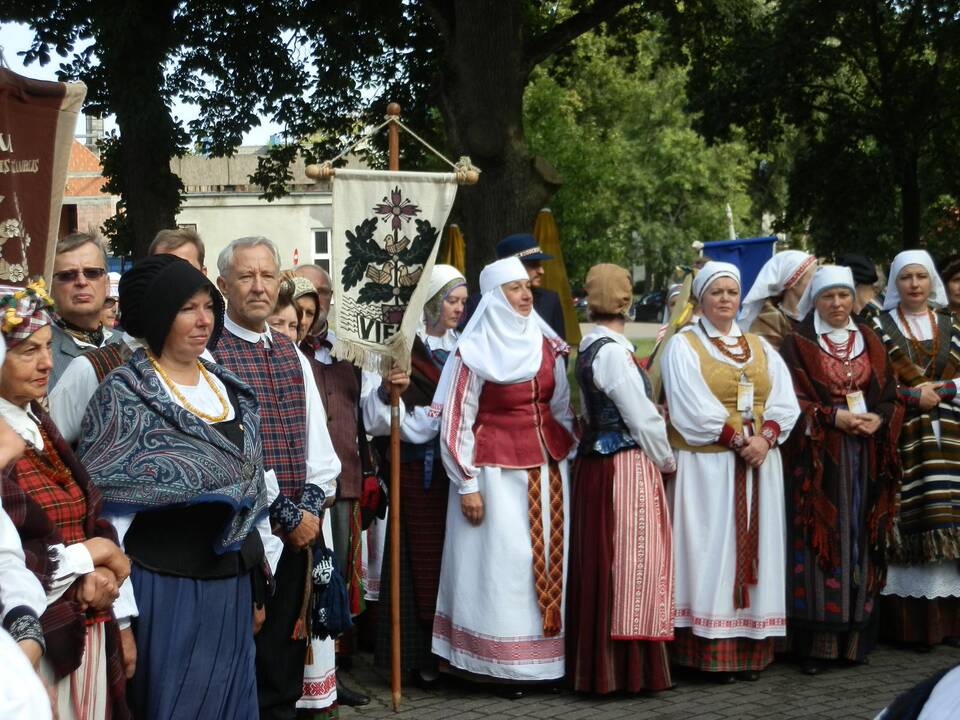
(386, 231)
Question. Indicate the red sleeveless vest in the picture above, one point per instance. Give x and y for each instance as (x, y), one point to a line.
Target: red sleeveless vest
(514, 426)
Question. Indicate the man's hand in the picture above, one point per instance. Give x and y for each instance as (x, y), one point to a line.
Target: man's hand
(128, 644)
(306, 532)
(754, 451)
(12, 445)
(471, 505)
(108, 554)
(259, 617)
(33, 651)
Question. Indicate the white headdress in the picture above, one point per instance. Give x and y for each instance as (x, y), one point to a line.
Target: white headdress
(713, 270)
(825, 278)
(499, 344)
(938, 293)
(779, 273)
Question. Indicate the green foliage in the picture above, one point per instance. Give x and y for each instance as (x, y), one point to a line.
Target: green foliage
(363, 250)
(640, 184)
(868, 89)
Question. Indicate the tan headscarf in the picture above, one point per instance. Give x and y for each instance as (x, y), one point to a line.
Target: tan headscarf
(609, 290)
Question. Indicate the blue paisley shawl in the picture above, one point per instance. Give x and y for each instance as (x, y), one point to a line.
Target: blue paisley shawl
(145, 452)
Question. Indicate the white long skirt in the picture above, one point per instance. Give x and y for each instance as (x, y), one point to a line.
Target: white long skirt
(488, 621)
(320, 676)
(705, 548)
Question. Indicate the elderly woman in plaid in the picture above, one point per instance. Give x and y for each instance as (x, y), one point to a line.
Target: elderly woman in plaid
(48, 496)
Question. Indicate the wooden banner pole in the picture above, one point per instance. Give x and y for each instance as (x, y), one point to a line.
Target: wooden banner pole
(393, 137)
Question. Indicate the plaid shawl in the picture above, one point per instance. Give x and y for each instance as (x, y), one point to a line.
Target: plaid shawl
(927, 525)
(815, 457)
(64, 626)
(146, 452)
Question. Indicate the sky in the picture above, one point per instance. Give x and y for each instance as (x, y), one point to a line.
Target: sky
(15, 38)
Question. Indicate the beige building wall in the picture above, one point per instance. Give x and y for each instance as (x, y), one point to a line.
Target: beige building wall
(292, 222)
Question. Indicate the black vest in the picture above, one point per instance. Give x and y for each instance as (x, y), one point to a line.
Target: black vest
(605, 431)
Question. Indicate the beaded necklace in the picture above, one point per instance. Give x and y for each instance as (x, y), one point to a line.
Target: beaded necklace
(918, 350)
(213, 419)
(742, 346)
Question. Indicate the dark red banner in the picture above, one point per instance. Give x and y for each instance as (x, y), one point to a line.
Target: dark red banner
(37, 122)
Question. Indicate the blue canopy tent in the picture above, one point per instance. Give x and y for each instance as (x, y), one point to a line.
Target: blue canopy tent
(748, 254)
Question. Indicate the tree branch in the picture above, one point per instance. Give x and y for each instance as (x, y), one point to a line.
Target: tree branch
(538, 49)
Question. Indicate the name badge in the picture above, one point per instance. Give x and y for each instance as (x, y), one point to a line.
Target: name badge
(855, 402)
(744, 396)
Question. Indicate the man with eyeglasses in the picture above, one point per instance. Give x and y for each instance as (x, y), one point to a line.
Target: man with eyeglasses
(68, 401)
(79, 292)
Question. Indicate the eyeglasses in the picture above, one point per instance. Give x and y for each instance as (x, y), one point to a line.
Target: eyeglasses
(69, 276)
(109, 302)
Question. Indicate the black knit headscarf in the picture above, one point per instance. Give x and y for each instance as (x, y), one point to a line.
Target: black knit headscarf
(152, 293)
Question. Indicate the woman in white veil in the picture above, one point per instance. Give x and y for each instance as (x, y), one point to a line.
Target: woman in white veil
(506, 430)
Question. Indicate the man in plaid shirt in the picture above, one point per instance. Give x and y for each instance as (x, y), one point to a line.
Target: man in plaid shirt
(298, 454)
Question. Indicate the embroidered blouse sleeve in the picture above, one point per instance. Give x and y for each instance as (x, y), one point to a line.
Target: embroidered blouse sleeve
(781, 407)
(456, 427)
(693, 409)
(70, 397)
(616, 375)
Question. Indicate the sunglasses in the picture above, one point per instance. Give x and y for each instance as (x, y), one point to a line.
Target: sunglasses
(109, 302)
(69, 276)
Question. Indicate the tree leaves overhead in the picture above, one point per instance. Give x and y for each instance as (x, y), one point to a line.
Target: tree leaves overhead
(363, 250)
(641, 185)
(870, 89)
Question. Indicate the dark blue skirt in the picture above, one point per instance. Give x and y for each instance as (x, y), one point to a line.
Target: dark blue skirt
(195, 651)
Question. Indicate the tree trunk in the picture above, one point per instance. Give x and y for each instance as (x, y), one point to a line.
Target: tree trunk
(910, 199)
(134, 43)
(482, 104)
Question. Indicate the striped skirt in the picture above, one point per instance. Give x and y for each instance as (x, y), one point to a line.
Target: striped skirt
(620, 577)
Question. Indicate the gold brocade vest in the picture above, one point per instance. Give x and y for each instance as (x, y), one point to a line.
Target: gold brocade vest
(722, 379)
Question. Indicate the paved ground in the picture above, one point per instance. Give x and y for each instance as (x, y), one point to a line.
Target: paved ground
(782, 692)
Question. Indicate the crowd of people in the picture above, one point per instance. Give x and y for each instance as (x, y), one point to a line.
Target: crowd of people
(177, 493)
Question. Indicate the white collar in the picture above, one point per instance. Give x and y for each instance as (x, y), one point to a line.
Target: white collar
(603, 331)
(712, 331)
(23, 422)
(249, 335)
(447, 341)
(822, 327)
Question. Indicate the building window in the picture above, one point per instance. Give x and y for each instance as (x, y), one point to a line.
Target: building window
(321, 248)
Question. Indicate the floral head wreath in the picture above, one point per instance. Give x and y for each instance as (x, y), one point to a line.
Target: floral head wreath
(24, 311)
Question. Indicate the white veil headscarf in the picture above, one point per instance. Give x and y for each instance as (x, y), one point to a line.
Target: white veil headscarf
(499, 344)
(938, 293)
(779, 273)
(825, 278)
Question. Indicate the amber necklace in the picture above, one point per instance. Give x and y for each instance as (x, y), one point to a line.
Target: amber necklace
(742, 355)
(186, 404)
(918, 349)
